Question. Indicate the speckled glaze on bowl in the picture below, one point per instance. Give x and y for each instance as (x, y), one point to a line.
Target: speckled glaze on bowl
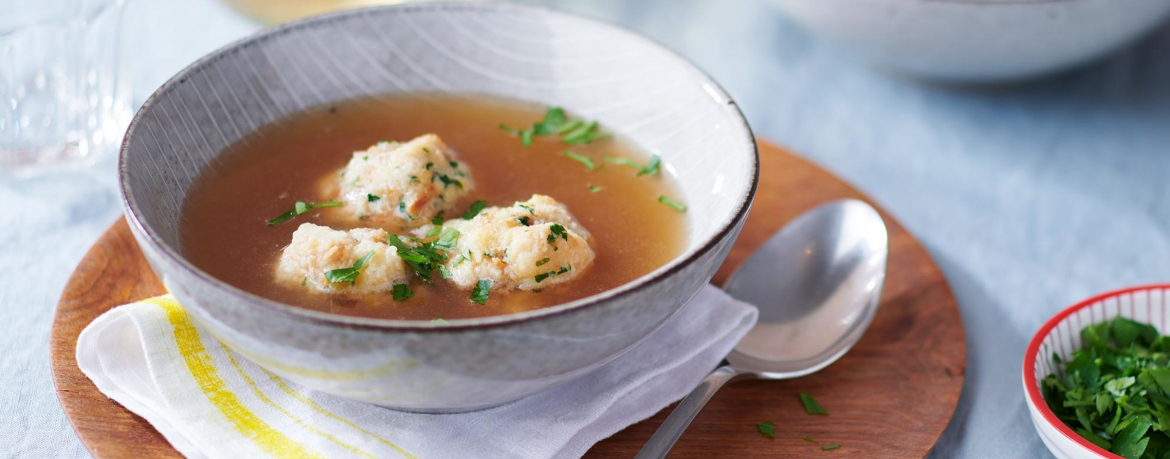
(634, 87)
(978, 41)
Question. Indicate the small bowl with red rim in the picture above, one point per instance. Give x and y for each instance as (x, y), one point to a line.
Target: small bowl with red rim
(1061, 335)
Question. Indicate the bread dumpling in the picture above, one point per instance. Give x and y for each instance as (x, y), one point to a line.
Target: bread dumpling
(529, 245)
(316, 250)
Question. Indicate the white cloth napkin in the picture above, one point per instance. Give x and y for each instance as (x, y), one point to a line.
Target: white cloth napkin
(132, 354)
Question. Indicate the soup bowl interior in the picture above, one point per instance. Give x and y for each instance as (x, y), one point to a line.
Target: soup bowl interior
(633, 87)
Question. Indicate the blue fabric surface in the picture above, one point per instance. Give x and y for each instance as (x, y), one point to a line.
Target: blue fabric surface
(1030, 197)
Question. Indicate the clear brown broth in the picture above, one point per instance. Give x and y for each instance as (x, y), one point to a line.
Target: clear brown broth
(223, 230)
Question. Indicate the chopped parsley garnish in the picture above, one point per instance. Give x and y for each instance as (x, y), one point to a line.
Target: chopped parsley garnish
(425, 258)
(439, 321)
(530, 209)
(337, 276)
(542, 261)
(444, 272)
(302, 207)
(433, 232)
(372, 198)
(453, 164)
(1115, 391)
(766, 428)
(672, 203)
(555, 122)
(808, 439)
(555, 231)
(542, 276)
(594, 188)
(429, 165)
(438, 220)
(651, 168)
(811, 406)
(480, 293)
(462, 258)
(402, 292)
(830, 447)
(588, 162)
(524, 220)
(475, 209)
(447, 181)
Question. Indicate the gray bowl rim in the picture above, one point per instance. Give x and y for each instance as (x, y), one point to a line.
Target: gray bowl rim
(130, 207)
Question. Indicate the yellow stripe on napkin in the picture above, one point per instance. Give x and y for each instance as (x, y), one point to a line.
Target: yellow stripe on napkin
(203, 369)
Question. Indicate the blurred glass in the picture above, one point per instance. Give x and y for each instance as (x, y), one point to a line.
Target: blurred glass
(273, 12)
(61, 98)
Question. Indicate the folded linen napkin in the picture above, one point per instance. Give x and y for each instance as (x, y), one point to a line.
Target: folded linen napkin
(132, 354)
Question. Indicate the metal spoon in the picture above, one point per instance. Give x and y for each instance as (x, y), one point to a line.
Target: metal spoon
(817, 284)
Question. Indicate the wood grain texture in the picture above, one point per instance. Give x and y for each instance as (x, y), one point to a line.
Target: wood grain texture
(891, 396)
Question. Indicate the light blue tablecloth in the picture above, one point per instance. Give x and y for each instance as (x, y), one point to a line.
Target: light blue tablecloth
(1029, 197)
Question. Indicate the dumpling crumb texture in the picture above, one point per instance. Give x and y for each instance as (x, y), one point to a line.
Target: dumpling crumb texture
(400, 186)
(315, 250)
(529, 245)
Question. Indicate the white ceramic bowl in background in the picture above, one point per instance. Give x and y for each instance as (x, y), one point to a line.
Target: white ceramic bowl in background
(978, 41)
(632, 86)
(1061, 335)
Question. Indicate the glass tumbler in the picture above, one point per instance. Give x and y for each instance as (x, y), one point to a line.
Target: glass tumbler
(63, 98)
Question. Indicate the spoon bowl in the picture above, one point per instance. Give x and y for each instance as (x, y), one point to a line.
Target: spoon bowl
(817, 283)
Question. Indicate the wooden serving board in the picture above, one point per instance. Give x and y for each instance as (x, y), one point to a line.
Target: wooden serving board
(891, 396)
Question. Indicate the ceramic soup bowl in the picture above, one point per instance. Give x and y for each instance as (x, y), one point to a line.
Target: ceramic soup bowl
(634, 87)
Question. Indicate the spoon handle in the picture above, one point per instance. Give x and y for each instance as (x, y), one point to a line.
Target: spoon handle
(671, 429)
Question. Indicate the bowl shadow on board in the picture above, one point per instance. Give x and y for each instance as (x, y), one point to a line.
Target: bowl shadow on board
(1146, 51)
(991, 384)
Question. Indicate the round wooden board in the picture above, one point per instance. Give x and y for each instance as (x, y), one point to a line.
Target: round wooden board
(891, 396)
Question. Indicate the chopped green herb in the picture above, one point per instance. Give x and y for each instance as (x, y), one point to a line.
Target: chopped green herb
(1115, 390)
(447, 181)
(433, 232)
(303, 281)
(581, 159)
(830, 447)
(302, 207)
(480, 293)
(530, 209)
(542, 276)
(475, 209)
(811, 406)
(555, 122)
(361, 217)
(462, 258)
(555, 231)
(447, 239)
(438, 220)
(808, 439)
(595, 189)
(366, 158)
(424, 258)
(429, 165)
(542, 261)
(444, 272)
(337, 276)
(524, 220)
(401, 292)
(651, 167)
(537, 290)
(766, 428)
(453, 164)
(439, 321)
(672, 203)
(372, 198)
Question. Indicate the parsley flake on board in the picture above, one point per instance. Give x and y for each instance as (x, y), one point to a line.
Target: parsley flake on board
(401, 292)
(808, 439)
(766, 428)
(830, 447)
(302, 207)
(476, 208)
(337, 276)
(480, 293)
(594, 188)
(1115, 391)
(672, 203)
(811, 406)
(587, 161)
